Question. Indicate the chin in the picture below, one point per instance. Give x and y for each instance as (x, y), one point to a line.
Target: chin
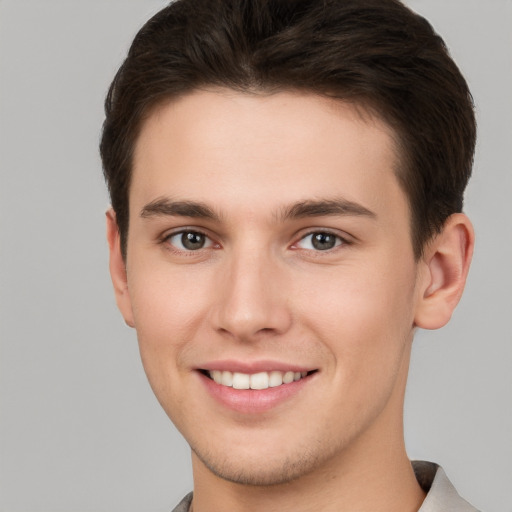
(262, 471)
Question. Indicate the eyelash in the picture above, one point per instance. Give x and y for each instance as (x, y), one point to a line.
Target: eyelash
(167, 240)
(339, 241)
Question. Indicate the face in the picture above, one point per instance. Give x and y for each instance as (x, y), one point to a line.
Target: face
(269, 248)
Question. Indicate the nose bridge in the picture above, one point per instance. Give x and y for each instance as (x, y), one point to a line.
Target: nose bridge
(251, 298)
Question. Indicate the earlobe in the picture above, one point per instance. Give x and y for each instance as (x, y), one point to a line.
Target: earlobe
(443, 273)
(118, 269)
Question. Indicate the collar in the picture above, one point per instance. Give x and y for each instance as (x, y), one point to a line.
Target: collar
(441, 495)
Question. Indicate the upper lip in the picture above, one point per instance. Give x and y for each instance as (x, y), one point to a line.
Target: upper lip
(251, 367)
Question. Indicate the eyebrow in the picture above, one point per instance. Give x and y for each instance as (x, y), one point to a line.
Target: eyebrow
(309, 208)
(327, 207)
(168, 207)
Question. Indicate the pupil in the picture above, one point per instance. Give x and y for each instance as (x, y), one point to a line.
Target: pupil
(323, 241)
(192, 241)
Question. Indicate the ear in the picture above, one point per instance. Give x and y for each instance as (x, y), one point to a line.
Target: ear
(443, 272)
(118, 269)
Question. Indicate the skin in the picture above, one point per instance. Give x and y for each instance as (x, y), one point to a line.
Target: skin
(259, 290)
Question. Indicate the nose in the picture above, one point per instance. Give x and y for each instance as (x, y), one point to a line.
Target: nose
(252, 299)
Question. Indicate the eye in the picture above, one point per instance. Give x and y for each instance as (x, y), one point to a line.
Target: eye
(320, 241)
(189, 240)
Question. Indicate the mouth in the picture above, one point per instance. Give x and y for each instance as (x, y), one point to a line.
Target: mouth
(254, 388)
(256, 381)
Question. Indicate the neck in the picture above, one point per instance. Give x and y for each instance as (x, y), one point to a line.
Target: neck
(385, 487)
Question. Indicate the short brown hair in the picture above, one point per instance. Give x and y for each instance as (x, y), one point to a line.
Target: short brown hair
(376, 53)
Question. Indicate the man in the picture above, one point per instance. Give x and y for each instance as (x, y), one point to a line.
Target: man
(286, 182)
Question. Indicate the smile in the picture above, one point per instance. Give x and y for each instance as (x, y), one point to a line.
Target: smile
(260, 380)
(252, 389)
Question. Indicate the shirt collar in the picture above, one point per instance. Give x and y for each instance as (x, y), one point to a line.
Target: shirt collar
(441, 495)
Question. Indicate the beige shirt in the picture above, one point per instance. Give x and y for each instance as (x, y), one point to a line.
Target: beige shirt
(441, 495)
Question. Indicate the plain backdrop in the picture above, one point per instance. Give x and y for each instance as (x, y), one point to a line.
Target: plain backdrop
(80, 428)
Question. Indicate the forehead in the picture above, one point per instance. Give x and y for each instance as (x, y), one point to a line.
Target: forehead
(236, 149)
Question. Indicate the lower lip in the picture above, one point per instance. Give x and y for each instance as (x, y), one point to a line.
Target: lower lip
(253, 401)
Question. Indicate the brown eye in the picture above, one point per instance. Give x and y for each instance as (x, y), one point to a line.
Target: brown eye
(323, 241)
(189, 240)
(320, 241)
(192, 241)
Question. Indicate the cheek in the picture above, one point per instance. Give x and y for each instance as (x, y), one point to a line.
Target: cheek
(169, 308)
(167, 299)
(364, 314)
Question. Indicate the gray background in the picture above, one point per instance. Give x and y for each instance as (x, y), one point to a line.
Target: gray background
(80, 428)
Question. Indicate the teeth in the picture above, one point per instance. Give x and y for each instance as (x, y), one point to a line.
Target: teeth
(275, 379)
(226, 379)
(216, 375)
(241, 380)
(288, 377)
(261, 380)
